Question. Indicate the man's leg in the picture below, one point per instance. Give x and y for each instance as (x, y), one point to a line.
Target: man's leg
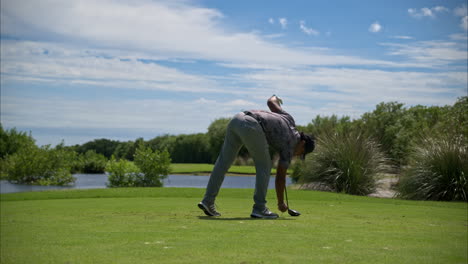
(257, 145)
(231, 146)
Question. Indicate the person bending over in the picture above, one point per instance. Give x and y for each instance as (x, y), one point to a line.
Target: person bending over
(257, 130)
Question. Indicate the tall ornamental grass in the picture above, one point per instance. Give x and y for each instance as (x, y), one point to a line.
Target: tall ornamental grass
(438, 170)
(346, 162)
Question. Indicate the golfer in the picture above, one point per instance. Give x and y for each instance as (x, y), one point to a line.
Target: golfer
(257, 130)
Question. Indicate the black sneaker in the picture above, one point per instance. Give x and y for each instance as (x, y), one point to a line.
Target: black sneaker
(209, 210)
(266, 214)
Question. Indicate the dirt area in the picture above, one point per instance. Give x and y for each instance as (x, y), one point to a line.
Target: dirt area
(384, 187)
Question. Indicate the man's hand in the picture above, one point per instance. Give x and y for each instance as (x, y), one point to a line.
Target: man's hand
(274, 103)
(280, 184)
(282, 207)
(280, 101)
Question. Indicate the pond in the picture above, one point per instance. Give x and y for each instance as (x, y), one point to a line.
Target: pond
(95, 181)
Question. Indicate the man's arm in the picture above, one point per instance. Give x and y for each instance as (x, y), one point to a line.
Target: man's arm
(280, 184)
(274, 104)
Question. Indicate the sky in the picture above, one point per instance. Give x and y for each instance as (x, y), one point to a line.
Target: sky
(82, 70)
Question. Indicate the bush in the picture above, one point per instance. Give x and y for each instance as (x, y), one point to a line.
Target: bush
(155, 166)
(148, 169)
(122, 173)
(43, 166)
(438, 170)
(346, 162)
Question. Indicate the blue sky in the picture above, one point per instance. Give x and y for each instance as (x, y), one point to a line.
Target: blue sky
(81, 70)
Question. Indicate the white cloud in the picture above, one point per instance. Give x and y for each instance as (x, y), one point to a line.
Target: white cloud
(461, 11)
(460, 36)
(47, 62)
(403, 37)
(306, 93)
(360, 88)
(464, 23)
(412, 11)
(157, 29)
(440, 9)
(308, 31)
(95, 113)
(271, 21)
(426, 11)
(431, 53)
(375, 27)
(283, 22)
(110, 39)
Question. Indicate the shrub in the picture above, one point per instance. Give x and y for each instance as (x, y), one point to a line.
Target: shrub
(43, 166)
(122, 173)
(148, 169)
(155, 165)
(438, 170)
(346, 162)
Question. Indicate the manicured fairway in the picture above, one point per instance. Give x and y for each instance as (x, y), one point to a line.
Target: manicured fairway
(163, 225)
(202, 168)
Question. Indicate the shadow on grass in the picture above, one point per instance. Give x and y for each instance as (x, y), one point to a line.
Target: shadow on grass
(204, 217)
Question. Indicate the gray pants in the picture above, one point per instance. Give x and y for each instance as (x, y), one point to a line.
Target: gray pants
(242, 130)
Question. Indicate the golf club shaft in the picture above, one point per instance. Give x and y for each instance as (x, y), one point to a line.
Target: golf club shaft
(286, 194)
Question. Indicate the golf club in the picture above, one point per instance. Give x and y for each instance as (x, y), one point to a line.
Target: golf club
(291, 212)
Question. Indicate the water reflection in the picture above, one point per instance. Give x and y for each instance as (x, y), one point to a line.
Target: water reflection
(94, 181)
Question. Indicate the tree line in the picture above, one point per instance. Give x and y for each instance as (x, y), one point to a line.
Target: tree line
(393, 127)
(185, 148)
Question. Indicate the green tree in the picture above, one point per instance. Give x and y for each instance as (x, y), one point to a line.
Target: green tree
(326, 125)
(11, 141)
(125, 150)
(92, 162)
(385, 125)
(163, 142)
(216, 133)
(102, 146)
(455, 119)
(192, 148)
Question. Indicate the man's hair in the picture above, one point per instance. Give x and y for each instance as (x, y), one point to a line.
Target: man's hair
(309, 145)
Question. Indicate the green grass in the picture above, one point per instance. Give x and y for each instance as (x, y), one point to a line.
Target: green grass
(163, 225)
(200, 168)
(205, 169)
